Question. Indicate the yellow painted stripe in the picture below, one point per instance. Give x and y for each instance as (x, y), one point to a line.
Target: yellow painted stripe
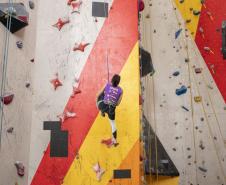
(186, 13)
(127, 121)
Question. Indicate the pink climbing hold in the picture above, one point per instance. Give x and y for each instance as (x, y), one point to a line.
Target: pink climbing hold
(76, 6)
(7, 98)
(80, 47)
(20, 168)
(56, 82)
(61, 22)
(98, 170)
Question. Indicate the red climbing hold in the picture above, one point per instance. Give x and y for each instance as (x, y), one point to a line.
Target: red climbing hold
(109, 142)
(20, 168)
(141, 5)
(69, 2)
(56, 82)
(7, 98)
(75, 91)
(81, 47)
(61, 22)
(76, 6)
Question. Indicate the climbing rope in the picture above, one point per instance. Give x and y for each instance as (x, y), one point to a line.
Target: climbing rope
(4, 64)
(203, 108)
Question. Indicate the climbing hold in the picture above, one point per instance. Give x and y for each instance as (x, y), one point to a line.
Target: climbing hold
(56, 82)
(61, 22)
(141, 5)
(67, 114)
(181, 1)
(76, 6)
(196, 12)
(186, 60)
(198, 99)
(19, 44)
(224, 107)
(201, 30)
(32, 60)
(75, 91)
(31, 4)
(183, 107)
(207, 49)
(198, 70)
(210, 15)
(181, 90)
(27, 85)
(70, 1)
(109, 142)
(176, 73)
(20, 168)
(202, 119)
(148, 16)
(7, 98)
(174, 149)
(177, 33)
(202, 169)
(212, 68)
(209, 86)
(81, 47)
(188, 21)
(188, 148)
(201, 145)
(189, 157)
(10, 130)
(98, 170)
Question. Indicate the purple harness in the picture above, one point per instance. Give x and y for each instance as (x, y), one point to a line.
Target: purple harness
(112, 94)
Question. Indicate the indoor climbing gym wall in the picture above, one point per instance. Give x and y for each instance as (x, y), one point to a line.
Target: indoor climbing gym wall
(184, 97)
(17, 50)
(80, 45)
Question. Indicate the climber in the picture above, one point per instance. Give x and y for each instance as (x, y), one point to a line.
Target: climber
(107, 101)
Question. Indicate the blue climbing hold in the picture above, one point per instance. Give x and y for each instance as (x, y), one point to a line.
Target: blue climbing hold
(181, 91)
(176, 73)
(177, 34)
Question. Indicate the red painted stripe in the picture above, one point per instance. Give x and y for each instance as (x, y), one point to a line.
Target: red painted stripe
(213, 40)
(121, 32)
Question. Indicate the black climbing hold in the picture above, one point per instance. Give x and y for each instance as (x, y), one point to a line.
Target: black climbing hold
(188, 148)
(181, 1)
(10, 130)
(188, 21)
(189, 157)
(186, 60)
(146, 65)
(196, 12)
(176, 73)
(27, 85)
(174, 149)
(202, 169)
(19, 16)
(19, 44)
(31, 4)
(183, 107)
(224, 39)
(32, 60)
(202, 119)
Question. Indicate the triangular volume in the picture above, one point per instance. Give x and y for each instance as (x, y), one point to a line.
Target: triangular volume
(19, 15)
(164, 164)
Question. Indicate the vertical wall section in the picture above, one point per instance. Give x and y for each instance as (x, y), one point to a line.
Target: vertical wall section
(113, 40)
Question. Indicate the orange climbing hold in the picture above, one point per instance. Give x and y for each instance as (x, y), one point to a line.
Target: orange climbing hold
(61, 22)
(7, 98)
(56, 82)
(81, 47)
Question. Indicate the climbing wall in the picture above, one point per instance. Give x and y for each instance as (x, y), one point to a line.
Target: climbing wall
(15, 135)
(67, 79)
(191, 130)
